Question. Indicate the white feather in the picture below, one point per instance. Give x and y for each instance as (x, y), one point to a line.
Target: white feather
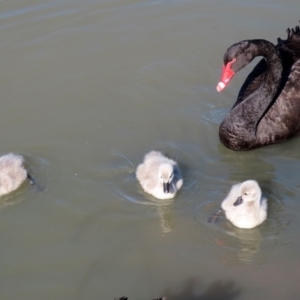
(157, 170)
(12, 172)
(253, 209)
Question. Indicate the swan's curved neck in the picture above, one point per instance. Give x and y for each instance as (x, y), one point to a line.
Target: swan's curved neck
(272, 57)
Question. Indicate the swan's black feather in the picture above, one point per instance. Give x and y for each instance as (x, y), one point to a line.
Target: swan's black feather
(267, 109)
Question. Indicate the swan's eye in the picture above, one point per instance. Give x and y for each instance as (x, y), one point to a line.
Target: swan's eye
(245, 194)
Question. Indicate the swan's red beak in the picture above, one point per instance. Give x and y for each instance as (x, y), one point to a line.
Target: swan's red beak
(227, 74)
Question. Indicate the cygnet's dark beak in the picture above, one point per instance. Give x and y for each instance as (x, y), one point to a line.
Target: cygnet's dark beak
(238, 201)
(166, 187)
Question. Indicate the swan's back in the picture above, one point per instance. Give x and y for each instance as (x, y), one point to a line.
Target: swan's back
(147, 172)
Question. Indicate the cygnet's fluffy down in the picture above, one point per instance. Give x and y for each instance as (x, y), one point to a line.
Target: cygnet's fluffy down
(244, 206)
(159, 175)
(12, 172)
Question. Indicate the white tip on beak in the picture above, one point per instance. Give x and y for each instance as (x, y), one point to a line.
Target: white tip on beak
(220, 86)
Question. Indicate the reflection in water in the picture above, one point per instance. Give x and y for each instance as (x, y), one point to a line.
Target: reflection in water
(162, 208)
(166, 221)
(164, 213)
(15, 196)
(12, 199)
(248, 242)
(217, 290)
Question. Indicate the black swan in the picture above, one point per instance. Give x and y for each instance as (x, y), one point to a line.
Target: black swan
(267, 110)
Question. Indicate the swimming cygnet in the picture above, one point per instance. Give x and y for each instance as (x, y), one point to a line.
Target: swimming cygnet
(159, 175)
(244, 206)
(12, 173)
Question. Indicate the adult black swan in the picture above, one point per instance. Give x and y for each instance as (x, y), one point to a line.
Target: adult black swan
(267, 109)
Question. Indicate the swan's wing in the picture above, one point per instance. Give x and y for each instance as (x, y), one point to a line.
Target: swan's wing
(143, 174)
(252, 82)
(290, 46)
(287, 106)
(263, 209)
(177, 179)
(177, 173)
(147, 175)
(292, 87)
(281, 121)
(264, 203)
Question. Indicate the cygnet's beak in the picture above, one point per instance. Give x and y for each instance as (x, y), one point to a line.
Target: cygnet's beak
(238, 201)
(166, 186)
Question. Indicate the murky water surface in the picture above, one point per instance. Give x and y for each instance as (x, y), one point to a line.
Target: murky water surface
(87, 88)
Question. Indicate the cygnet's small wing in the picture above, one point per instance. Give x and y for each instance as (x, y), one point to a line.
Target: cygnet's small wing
(177, 177)
(263, 208)
(146, 173)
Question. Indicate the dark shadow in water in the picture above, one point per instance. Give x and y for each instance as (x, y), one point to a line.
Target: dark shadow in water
(125, 298)
(217, 290)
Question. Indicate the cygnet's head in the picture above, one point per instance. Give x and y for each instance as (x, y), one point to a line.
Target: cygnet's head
(249, 191)
(166, 175)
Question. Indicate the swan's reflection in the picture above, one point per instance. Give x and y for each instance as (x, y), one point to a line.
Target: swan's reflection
(163, 209)
(247, 242)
